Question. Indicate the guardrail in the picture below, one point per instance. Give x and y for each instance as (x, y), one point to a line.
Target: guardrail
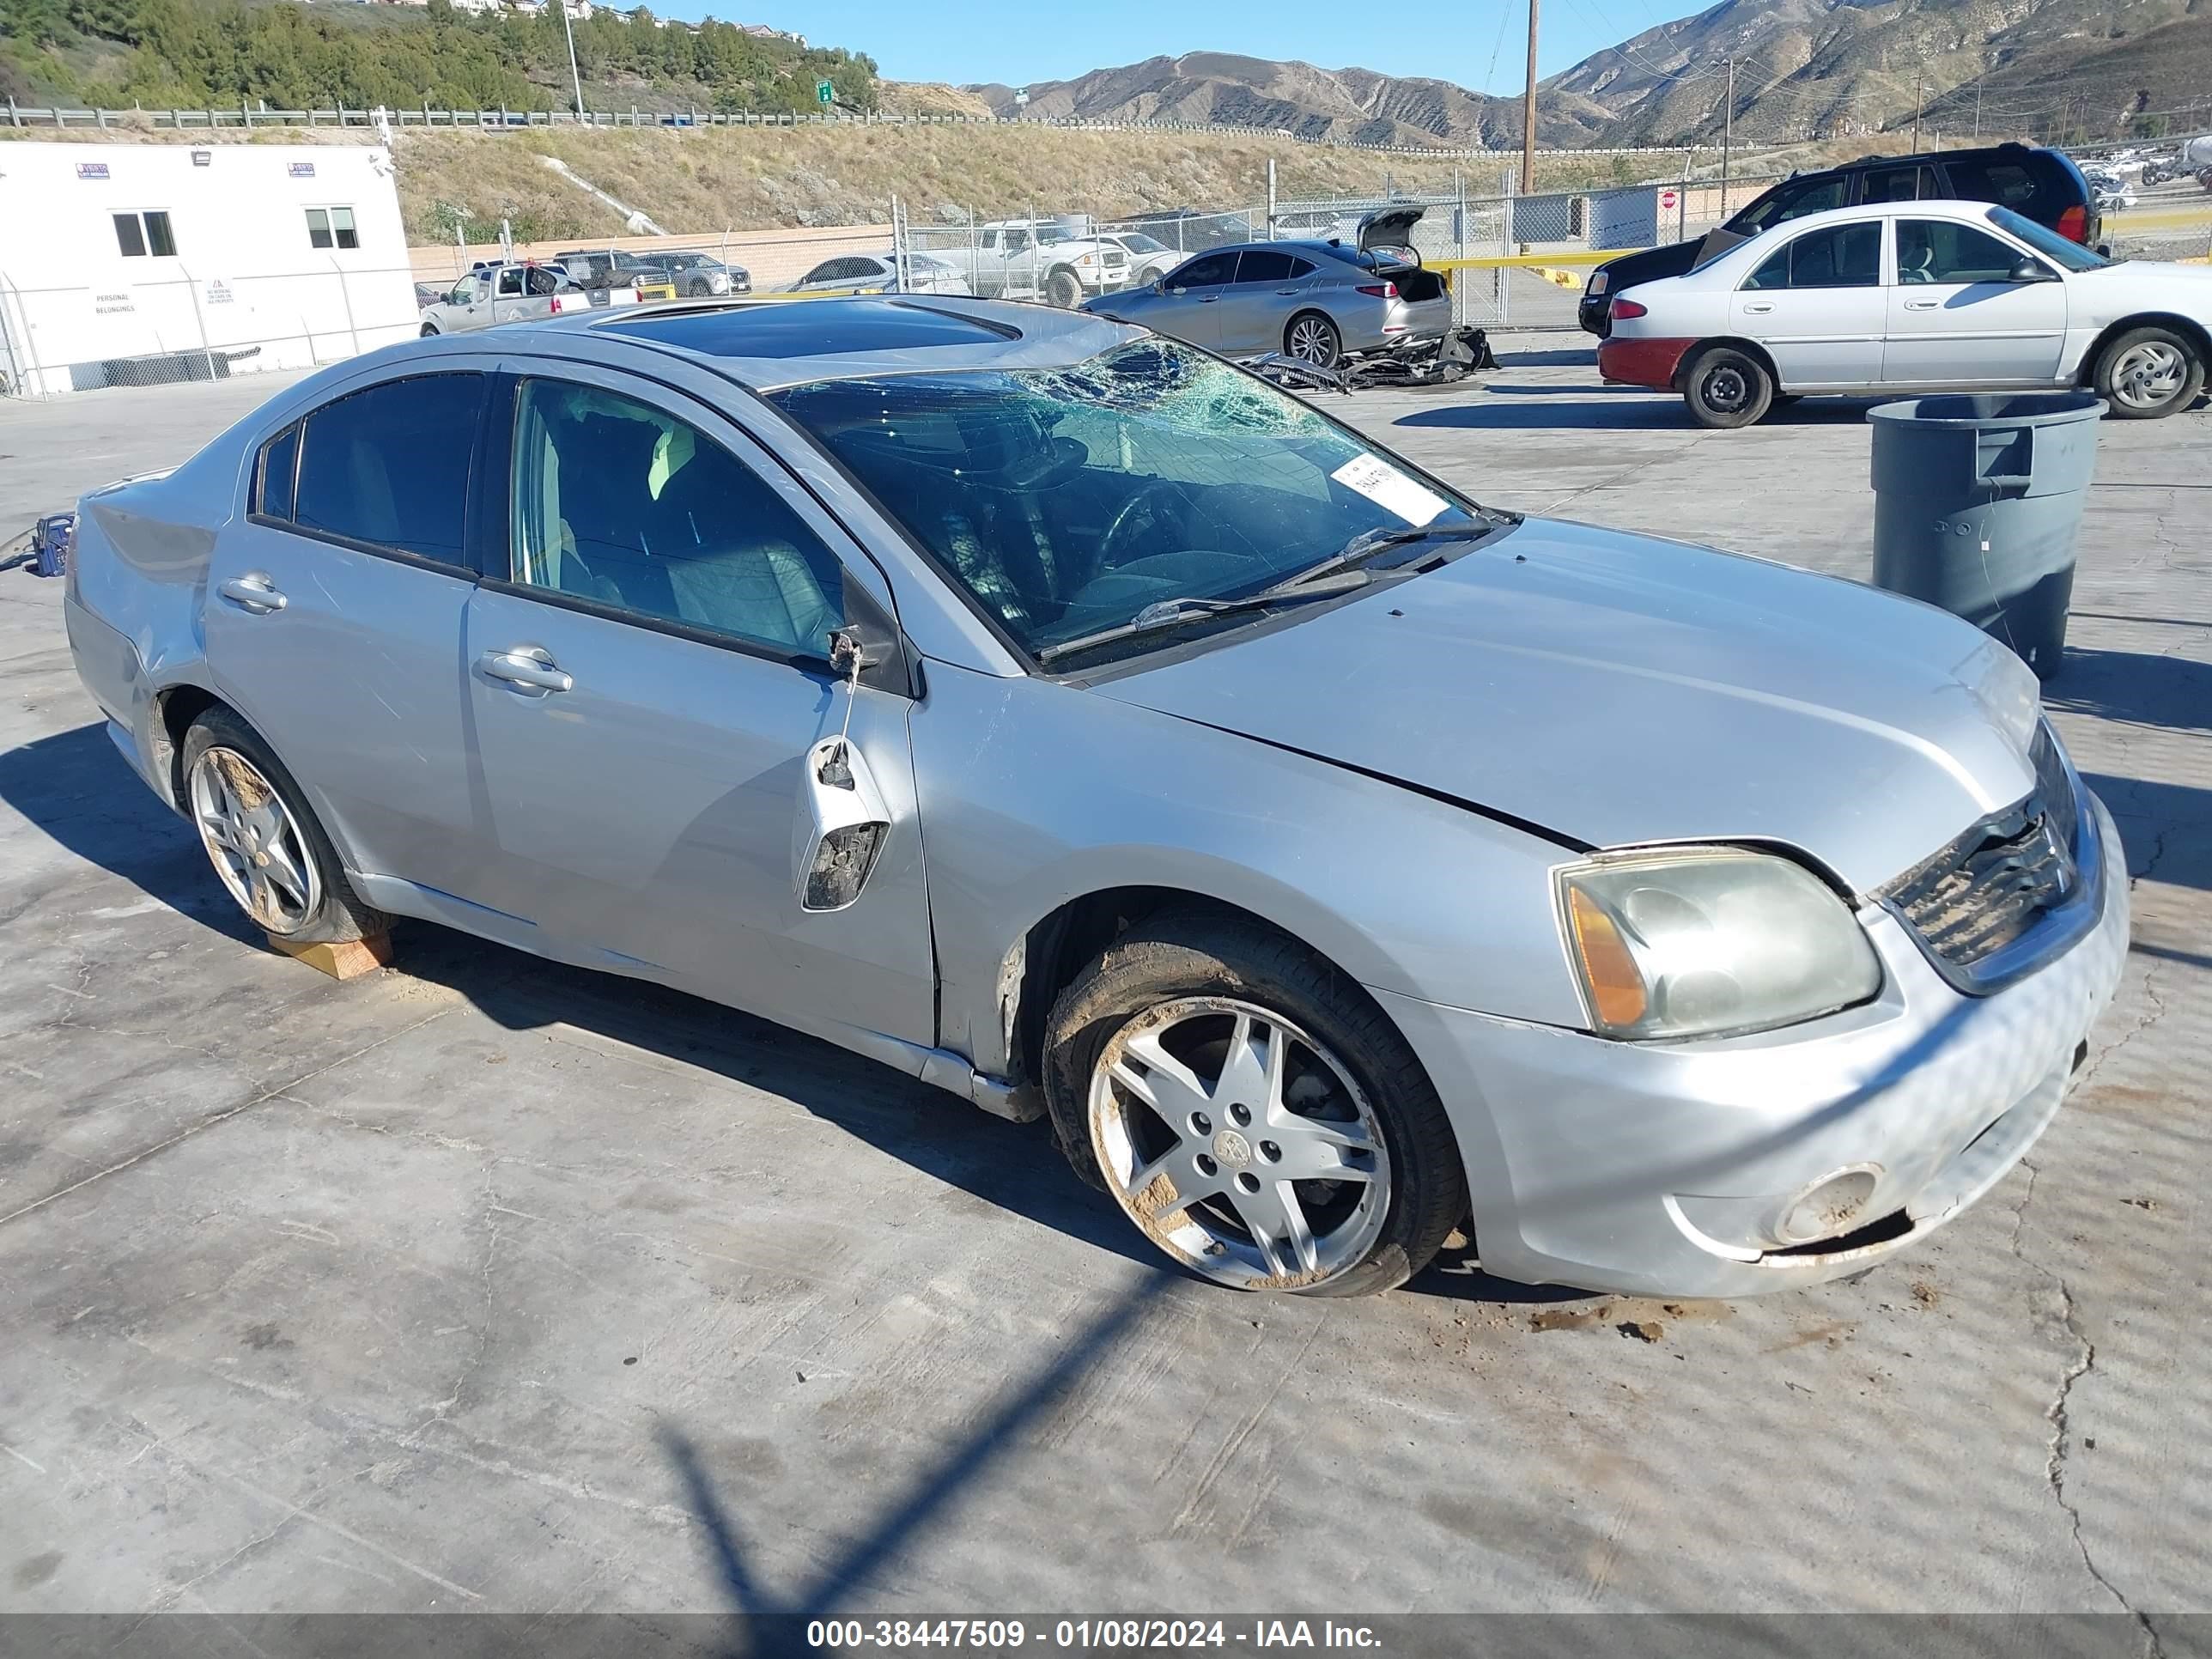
(246, 116)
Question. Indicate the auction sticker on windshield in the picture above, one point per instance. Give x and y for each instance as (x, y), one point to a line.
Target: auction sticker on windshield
(1390, 489)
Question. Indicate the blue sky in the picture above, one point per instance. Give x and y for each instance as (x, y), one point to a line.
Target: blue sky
(1473, 42)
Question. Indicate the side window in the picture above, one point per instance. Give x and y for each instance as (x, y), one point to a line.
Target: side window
(1912, 184)
(510, 282)
(1016, 241)
(318, 228)
(1790, 201)
(2006, 183)
(826, 271)
(464, 292)
(1943, 250)
(1841, 256)
(276, 473)
(1302, 268)
(623, 504)
(390, 465)
(137, 234)
(1263, 266)
(1207, 271)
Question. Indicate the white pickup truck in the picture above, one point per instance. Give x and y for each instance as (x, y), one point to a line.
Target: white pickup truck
(1034, 259)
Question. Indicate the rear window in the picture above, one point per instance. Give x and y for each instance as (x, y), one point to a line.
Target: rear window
(390, 466)
(2008, 183)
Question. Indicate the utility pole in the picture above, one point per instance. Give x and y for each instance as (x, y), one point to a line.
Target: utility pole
(1728, 134)
(1528, 113)
(1919, 86)
(569, 27)
(1977, 109)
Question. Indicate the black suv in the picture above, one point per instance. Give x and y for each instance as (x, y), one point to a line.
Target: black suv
(2044, 185)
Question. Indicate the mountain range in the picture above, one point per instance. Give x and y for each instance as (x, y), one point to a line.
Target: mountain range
(1803, 69)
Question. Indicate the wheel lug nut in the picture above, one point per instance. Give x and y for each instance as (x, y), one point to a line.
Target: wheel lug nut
(1242, 1113)
(1201, 1124)
(1205, 1165)
(1248, 1181)
(1271, 1152)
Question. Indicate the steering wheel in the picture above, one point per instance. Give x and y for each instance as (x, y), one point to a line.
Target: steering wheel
(1143, 506)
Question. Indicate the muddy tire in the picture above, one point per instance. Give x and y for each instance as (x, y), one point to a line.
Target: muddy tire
(1312, 338)
(268, 851)
(1725, 388)
(1251, 1110)
(1063, 289)
(2148, 373)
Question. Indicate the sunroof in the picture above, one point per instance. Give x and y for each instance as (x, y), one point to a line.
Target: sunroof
(812, 328)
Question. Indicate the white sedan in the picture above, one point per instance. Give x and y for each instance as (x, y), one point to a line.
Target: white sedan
(1910, 297)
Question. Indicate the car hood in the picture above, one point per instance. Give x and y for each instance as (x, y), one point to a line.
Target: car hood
(1617, 689)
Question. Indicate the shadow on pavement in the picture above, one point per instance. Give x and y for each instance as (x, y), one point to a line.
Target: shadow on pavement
(780, 1619)
(2135, 688)
(2165, 827)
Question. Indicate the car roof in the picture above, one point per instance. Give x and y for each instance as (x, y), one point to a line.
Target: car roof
(765, 343)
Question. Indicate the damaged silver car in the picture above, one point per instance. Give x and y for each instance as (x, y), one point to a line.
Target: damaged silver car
(1070, 719)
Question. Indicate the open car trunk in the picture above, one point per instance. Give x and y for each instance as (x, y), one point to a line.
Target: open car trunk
(1387, 236)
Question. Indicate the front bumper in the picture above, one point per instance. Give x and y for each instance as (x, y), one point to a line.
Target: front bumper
(1661, 1168)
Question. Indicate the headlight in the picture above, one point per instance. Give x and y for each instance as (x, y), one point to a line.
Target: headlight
(718, 283)
(1597, 282)
(1694, 940)
(1086, 258)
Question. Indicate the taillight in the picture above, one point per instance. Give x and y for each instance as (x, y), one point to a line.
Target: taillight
(1624, 308)
(2074, 224)
(556, 304)
(1380, 291)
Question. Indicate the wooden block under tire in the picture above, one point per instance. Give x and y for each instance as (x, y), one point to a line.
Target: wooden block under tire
(348, 960)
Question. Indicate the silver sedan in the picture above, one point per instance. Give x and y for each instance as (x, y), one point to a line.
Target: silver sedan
(1075, 722)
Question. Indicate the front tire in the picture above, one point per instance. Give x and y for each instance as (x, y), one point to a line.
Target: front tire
(1254, 1114)
(699, 288)
(1062, 288)
(268, 851)
(1725, 388)
(2149, 373)
(1312, 338)
(429, 331)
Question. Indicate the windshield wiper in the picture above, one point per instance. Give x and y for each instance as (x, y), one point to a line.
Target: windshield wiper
(1168, 614)
(1365, 549)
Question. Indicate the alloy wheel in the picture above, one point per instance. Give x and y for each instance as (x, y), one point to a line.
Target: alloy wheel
(1313, 341)
(1239, 1144)
(2149, 375)
(253, 841)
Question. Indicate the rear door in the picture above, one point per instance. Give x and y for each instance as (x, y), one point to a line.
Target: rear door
(644, 683)
(509, 302)
(1250, 314)
(1816, 304)
(1910, 181)
(1966, 306)
(334, 614)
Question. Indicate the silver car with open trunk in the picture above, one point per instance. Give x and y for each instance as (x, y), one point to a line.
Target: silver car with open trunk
(1063, 716)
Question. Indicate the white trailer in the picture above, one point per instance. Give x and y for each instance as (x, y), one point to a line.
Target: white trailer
(138, 263)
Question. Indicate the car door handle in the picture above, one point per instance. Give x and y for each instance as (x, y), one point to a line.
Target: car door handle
(526, 667)
(1922, 305)
(254, 592)
(1207, 299)
(1287, 290)
(1761, 306)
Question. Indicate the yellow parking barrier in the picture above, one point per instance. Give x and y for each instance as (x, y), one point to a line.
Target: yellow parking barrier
(1531, 261)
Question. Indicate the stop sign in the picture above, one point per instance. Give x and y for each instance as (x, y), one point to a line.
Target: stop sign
(1666, 198)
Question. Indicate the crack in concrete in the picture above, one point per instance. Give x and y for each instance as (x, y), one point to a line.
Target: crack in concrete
(2058, 1415)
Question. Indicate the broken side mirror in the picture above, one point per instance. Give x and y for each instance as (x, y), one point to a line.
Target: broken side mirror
(843, 821)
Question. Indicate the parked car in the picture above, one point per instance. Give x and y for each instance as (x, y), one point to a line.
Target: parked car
(1021, 748)
(1321, 302)
(2043, 184)
(600, 269)
(696, 275)
(1150, 259)
(879, 273)
(1914, 296)
(503, 294)
(1036, 258)
(1189, 230)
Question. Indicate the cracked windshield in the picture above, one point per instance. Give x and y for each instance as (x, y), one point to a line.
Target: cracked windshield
(1073, 502)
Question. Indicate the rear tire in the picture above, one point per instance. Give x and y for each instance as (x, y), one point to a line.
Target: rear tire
(1312, 338)
(268, 851)
(1306, 1073)
(1063, 289)
(1725, 388)
(2149, 373)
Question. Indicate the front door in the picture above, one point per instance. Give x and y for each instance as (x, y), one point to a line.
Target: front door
(1968, 306)
(334, 614)
(644, 691)
(1189, 303)
(1816, 305)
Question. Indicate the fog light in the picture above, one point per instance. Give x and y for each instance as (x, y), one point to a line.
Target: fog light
(1833, 1205)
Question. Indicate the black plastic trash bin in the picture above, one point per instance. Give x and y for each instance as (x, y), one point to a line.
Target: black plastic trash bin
(1978, 500)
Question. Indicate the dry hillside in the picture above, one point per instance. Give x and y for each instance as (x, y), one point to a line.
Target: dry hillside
(711, 179)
